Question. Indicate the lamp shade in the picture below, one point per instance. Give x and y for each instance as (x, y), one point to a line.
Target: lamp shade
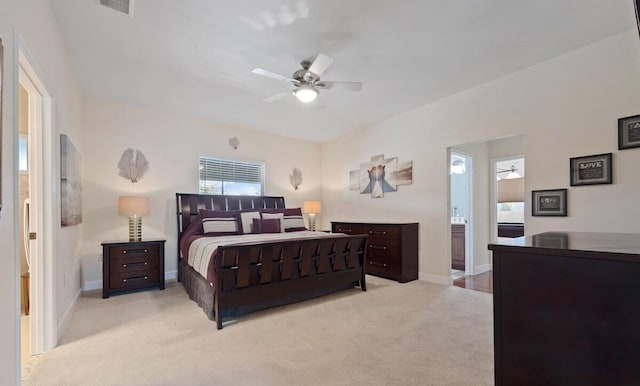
(311, 207)
(511, 190)
(133, 206)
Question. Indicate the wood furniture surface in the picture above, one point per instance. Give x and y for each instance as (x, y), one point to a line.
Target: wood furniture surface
(510, 230)
(25, 293)
(566, 309)
(458, 246)
(393, 248)
(132, 265)
(254, 276)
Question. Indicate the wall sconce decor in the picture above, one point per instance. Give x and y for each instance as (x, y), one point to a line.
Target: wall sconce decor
(135, 208)
(132, 165)
(295, 178)
(234, 142)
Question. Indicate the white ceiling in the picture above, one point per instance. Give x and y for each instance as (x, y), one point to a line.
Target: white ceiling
(196, 56)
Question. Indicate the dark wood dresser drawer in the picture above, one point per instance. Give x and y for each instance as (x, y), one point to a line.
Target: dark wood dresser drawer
(392, 249)
(132, 265)
(350, 229)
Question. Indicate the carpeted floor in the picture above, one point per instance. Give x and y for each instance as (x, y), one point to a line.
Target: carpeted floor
(394, 334)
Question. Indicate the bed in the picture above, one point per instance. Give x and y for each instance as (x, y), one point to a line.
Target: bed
(229, 274)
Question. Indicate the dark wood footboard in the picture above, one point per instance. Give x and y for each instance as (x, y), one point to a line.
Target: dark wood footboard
(257, 276)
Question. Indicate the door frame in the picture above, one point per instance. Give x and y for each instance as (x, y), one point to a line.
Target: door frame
(43, 192)
(468, 229)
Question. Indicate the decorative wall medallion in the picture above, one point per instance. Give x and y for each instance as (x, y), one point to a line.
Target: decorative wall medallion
(132, 165)
(381, 175)
(295, 178)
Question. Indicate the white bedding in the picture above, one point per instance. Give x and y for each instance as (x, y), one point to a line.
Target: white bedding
(200, 250)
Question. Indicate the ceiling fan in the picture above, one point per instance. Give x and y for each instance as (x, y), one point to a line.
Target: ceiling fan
(306, 81)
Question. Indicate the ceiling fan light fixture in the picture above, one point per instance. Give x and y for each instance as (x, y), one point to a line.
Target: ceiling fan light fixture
(306, 93)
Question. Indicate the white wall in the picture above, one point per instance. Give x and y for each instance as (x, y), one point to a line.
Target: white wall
(171, 143)
(34, 22)
(565, 107)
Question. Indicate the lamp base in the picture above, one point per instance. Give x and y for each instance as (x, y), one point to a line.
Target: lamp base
(135, 228)
(312, 221)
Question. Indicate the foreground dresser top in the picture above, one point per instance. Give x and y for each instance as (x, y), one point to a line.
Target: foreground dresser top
(567, 242)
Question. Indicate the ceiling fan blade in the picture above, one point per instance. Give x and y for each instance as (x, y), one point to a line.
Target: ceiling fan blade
(345, 86)
(320, 65)
(269, 74)
(276, 97)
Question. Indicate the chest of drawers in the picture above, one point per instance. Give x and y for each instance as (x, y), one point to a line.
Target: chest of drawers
(392, 250)
(130, 266)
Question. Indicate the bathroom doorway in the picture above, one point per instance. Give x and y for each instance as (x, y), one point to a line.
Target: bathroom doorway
(461, 193)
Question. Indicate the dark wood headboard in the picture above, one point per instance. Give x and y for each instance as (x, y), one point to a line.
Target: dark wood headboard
(188, 206)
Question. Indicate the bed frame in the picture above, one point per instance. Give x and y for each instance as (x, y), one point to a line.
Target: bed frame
(255, 276)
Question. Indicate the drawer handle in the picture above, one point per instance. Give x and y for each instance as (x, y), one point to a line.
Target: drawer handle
(379, 264)
(135, 278)
(344, 230)
(377, 247)
(134, 264)
(134, 251)
(384, 233)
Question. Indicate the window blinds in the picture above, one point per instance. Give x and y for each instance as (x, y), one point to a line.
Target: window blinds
(215, 169)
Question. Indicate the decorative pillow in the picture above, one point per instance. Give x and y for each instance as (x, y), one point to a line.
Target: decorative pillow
(246, 220)
(219, 223)
(293, 220)
(275, 216)
(266, 225)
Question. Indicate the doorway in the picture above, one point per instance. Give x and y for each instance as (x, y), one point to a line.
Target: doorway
(460, 209)
(509, 197)
(36, 189)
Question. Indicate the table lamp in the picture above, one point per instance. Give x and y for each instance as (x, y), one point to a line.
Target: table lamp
(312, 208)
(135, 208)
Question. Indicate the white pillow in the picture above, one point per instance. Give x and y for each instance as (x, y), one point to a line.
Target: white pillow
(279, 216)
(247, 221)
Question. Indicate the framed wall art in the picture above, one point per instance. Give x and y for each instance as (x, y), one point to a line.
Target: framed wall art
(591, 170)
(629, 132)
(549, 202)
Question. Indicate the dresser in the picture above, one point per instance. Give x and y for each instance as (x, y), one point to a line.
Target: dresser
(392, 250)
(566, 309)
(128, 266)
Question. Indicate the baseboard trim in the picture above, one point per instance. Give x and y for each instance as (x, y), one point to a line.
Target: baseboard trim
(482, 269)
(62, 326)
(97, 284)
(431, 278)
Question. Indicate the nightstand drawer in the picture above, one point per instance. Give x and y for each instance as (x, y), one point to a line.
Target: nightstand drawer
(129, 251)
(133, 279)
(133, 264)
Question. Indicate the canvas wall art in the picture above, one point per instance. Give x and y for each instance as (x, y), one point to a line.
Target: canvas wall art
(381, 175)
(70, 183)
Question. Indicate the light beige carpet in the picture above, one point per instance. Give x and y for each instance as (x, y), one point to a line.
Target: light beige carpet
(394, 334)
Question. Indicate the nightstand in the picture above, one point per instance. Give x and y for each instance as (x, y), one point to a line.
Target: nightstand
(132, 265)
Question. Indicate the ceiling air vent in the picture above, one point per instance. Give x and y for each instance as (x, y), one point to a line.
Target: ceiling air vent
(124, 6)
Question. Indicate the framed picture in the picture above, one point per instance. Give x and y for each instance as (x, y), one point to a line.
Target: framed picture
(549, 202)
(591, 170)
(629, 132)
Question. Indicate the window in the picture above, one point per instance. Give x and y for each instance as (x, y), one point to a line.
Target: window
(219, 176)
(23, 163)
(511, 212)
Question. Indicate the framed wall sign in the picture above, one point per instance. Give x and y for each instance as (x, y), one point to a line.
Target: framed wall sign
(591, 170)
(629, 132)
(549, 202)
